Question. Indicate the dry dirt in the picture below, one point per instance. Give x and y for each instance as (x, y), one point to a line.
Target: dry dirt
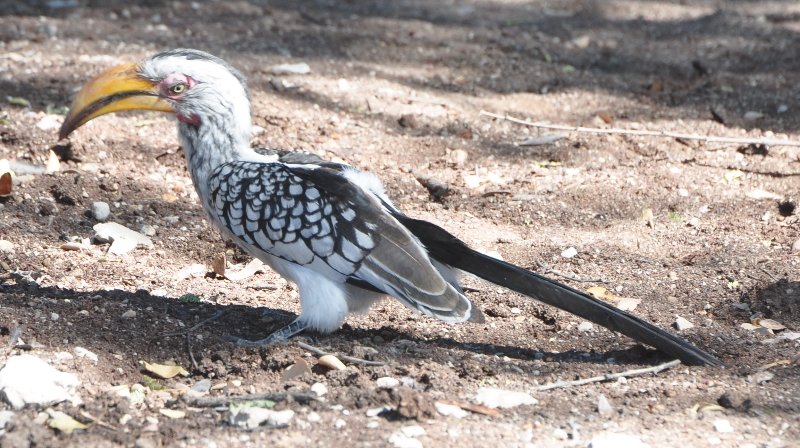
(396, 89)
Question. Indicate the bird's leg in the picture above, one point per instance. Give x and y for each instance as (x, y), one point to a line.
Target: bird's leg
(278, 337)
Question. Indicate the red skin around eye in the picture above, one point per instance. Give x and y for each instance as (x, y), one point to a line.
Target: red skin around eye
(173, 79)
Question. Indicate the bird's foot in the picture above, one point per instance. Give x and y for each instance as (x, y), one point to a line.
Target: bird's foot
(281, 336)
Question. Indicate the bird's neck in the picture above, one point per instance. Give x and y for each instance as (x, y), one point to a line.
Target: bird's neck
(209, 145)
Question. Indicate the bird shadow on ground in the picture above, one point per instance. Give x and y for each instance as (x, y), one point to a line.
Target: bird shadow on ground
(94, 319)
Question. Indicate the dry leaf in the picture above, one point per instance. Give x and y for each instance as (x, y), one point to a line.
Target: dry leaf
(602, 294)
(219, 264)
(63, 422)
(165, 371)
(707, 407)
(6, 178)
(172, 413)
(732, 175)
(331, 362)
(249, 270)
(648, 218)
(763, 194)
(169, 197)
(476, 408)
(597, 291)
(748, 326)
(771, 324)
(53, 164)
(299, 368)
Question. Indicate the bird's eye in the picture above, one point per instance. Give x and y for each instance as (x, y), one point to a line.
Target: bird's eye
(178, 88)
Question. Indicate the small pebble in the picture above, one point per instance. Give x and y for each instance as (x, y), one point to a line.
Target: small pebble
(54, 316)
(319, 389)
(374, 412)
(313, 417)
(560, 434)
(400, 440)
(339, 423)
(331, 362)
(569, 252)
(616, 440)
(6, 246)
(84, 353)
(300, 68)
(100, 211)
(413, 431)
(387, 382)
(148, 230)
(498, 398)
(129, 314)
(603, 406)
(722, 425)
(681, 324)
(449, 410)
(585, 326)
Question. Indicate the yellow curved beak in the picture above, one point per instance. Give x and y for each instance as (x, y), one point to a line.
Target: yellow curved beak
(118, 88)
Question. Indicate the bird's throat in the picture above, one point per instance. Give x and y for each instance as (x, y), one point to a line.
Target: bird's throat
(193, 119)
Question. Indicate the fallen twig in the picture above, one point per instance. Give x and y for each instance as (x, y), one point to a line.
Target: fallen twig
(663, 134)
(320, 352)
(549, 270)
(188, 335)
(216, 316)
(609, 376)
(210, 402)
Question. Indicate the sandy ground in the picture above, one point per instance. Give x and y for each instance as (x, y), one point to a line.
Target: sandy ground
(396, 89)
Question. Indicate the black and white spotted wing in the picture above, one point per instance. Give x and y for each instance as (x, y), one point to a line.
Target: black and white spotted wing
(277, 208)
(314, 215)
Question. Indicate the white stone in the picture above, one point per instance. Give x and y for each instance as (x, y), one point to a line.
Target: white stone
(387, 382)
(319, 388)
(313, 417)
(413, 431)
(569, 252)
(84, 353)
(193, 270)
(400, 440)
(26, 379)
(6, 246)
(54, 316)
(121, 247)
(5, 418)
(681, 324)
(603, 406)
(585, 326)
(449, 410)
(499, 398)
(374, 412)
(253, 417)
(129, 314)
(560, 434)
(616, 440)
(300, 68)
(339, 423)
(50, 122)
(100, 211)
(112, 232)
(722, 425)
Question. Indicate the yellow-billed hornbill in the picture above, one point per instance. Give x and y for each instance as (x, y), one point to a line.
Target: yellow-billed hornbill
(327, 227)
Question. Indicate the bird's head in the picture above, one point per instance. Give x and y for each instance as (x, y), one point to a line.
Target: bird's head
(200, 89)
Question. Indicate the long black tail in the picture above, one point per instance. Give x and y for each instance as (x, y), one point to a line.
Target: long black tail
(448, 249)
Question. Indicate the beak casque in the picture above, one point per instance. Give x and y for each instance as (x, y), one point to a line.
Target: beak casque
(118, 88)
